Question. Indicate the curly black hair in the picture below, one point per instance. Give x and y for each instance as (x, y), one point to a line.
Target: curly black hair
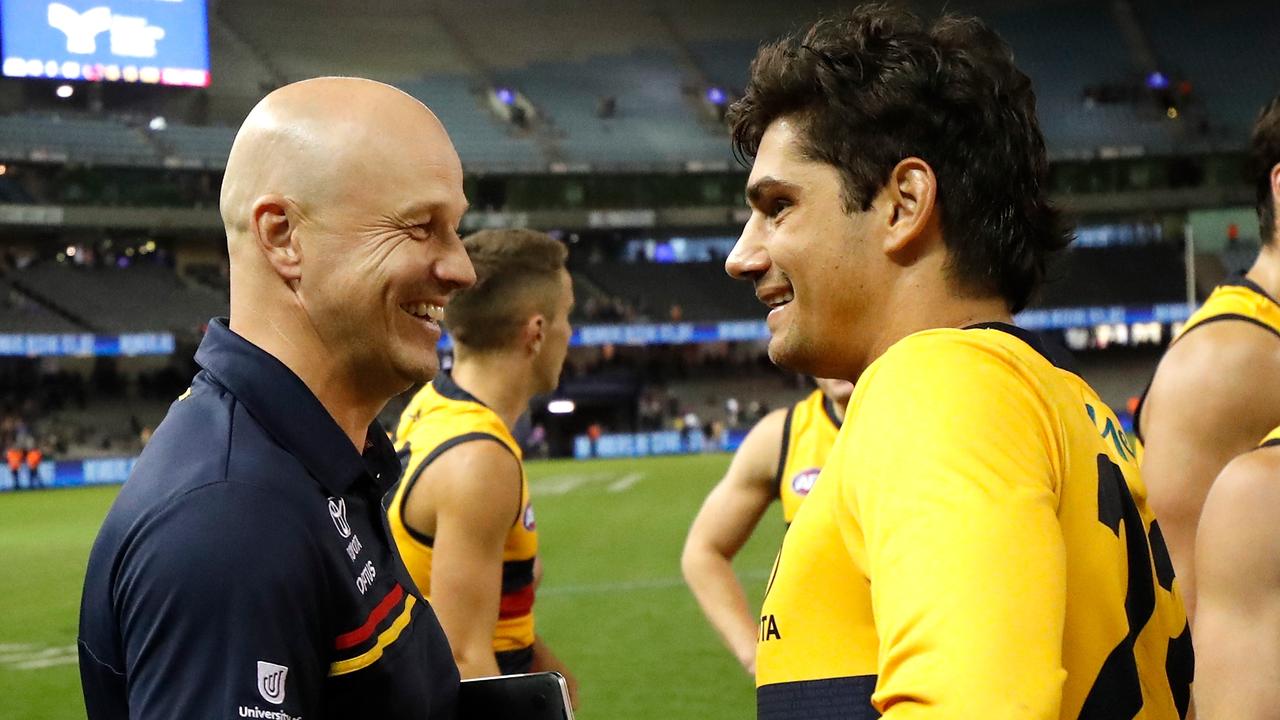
(873, 87)
(1265, 154)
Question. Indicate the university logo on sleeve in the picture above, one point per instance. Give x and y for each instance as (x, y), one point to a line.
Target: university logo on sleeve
(271, 679)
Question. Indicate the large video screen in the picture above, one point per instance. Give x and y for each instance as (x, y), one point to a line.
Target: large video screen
(163, 42)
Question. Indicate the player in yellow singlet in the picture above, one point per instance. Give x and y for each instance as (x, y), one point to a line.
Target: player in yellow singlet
(1217, 388)
(778, 460)
(1237, 622)
(978, 544)
(461, 515)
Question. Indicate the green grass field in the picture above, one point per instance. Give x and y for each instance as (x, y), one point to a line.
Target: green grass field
(612, 603)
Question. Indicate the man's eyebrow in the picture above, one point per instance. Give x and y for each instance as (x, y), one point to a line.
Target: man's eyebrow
(422, 208)
(765, 184)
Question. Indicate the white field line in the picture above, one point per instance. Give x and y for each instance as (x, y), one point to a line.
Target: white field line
(35, 658)
(564, 484)
(626, 482)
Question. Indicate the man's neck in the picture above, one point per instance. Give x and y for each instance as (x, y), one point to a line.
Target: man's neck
(298, 348)
(1265, 272)
(500, 380)
(912, 316)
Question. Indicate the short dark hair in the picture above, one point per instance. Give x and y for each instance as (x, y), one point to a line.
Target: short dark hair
(517, 275)
(873, 87)
(1264, 153)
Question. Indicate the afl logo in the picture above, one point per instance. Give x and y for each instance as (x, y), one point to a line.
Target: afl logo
(338, 511)
(528, 520)
(802, 483)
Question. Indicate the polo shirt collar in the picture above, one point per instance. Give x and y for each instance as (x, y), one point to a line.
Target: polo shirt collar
(288, 410)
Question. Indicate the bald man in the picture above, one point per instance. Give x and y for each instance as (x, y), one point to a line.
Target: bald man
(245, 569)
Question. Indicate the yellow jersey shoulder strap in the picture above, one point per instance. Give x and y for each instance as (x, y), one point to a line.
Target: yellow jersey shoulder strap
(1239, 299)
(440, 417)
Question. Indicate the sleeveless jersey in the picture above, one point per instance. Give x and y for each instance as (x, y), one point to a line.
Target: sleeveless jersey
(807, 436)
(977, 545)
(1240, 299)
(442, 416)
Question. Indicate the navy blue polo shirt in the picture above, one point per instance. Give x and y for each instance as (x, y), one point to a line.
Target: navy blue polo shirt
(246, 570)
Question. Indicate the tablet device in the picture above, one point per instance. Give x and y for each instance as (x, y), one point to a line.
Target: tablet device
(534, 696)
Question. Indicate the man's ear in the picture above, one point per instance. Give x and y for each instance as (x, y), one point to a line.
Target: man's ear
(912, 194)
(273, 229)
(533, 333)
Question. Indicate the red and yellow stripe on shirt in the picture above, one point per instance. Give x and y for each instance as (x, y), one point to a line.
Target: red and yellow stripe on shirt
(442, 416)
(364, 645)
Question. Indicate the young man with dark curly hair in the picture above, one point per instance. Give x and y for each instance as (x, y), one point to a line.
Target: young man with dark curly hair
(978, 544)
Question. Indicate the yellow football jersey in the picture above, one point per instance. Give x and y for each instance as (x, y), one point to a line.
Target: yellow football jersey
(978, 545)
(1240, 299)
(442, 416)
(808, 433)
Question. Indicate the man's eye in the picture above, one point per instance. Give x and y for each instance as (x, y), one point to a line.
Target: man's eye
(777, 206)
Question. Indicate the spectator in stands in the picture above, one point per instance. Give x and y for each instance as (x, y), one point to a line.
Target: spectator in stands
(33, 459)
(13, 459)
(249, 541)
(537, 442)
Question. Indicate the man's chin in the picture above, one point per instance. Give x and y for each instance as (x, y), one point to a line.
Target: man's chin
(793, 356)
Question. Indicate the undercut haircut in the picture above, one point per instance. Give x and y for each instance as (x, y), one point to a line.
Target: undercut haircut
(518, 275)
(875, 86)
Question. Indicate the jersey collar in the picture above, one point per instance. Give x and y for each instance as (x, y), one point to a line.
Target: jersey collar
(288, 410)
(449, 388)
(1057, 356)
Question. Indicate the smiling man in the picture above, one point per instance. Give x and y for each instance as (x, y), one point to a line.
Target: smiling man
(978, 544)
(245, 569)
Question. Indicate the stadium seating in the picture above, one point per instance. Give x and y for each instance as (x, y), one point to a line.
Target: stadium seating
(702, 290)
(134, 299)
(654, 124)
(1116, 276)
(205, 146)
(480, 138)
(19, 313)
(58, 137)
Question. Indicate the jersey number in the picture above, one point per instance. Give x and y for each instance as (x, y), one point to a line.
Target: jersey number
(1117, 692)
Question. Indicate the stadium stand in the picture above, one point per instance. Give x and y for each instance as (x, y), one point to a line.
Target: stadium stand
(1115, 276)
(56, 137)
(20, 313)
(701, 291)
(480, 137)
(201, 146)
(655, 124)
(141, 297)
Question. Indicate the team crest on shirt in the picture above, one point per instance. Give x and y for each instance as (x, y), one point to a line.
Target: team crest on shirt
(271, 679)
(803, 481)
(527, 520)
(338, 511)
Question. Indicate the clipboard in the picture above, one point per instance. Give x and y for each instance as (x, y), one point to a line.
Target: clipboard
(532, 696)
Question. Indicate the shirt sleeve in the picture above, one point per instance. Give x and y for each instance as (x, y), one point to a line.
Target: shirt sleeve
(957, 500)
(222, 606)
